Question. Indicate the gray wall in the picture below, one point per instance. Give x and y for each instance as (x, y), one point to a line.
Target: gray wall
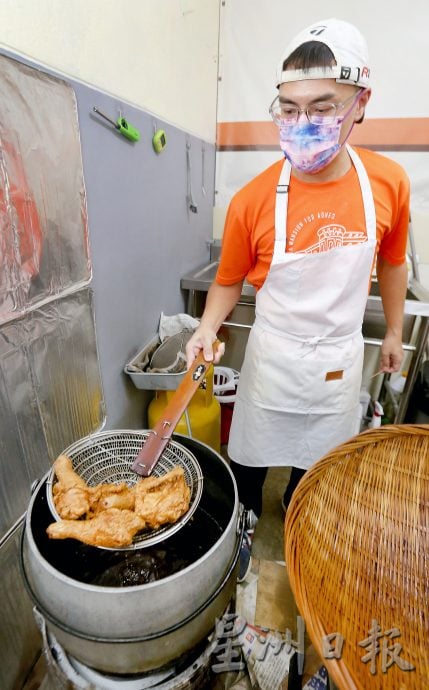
(143, 236)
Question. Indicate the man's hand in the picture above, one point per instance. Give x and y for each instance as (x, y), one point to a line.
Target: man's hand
(203, 339)
(392, 280)
(391, 353)
(221, 300)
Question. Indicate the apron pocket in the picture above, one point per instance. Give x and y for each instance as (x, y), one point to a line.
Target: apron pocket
(332, 385)
(306, 385)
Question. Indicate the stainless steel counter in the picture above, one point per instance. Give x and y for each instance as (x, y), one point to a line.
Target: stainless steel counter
(415, 332)
(202, 278)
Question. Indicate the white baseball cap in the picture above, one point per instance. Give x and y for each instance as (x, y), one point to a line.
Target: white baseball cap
(347, 45)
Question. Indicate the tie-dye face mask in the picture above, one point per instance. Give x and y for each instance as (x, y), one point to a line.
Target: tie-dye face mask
(309, 147)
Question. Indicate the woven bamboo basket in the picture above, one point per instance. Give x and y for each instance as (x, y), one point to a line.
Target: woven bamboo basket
(357, 554)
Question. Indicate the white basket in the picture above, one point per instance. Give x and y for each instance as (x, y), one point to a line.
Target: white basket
(225, 382)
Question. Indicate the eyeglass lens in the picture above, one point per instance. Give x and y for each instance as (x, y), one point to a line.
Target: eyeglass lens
(317, 113)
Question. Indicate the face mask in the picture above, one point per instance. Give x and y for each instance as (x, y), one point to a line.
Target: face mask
(309, 147)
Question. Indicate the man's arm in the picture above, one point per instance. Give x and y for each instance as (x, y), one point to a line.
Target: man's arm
(221, 300)
(392, 280)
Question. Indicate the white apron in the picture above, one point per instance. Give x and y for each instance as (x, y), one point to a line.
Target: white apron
(298, 393)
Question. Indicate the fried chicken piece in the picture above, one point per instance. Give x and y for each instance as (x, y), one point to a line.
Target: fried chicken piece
(160, 500)
(105, 496)
(72, 504)
(111, 528)
(73, 499)
(70, 493)
(66, 475)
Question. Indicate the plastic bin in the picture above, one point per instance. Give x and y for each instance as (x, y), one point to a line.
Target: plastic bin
(225, 383)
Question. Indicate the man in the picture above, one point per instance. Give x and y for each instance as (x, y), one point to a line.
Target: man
(305, 233)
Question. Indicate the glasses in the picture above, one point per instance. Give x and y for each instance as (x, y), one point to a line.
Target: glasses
(322, 113)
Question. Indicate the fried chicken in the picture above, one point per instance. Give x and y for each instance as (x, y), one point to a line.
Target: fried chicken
(105, 496)
(66, 475)
(160, 500)
(71, 497)
(112, 528)
(111, 514)
(72, 504)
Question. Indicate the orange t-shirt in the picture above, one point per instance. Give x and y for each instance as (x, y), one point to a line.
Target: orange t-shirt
(320, 216)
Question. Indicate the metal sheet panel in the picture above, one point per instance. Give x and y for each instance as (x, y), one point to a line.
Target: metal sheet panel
(43, 227)
(19, 636)
(50, 393)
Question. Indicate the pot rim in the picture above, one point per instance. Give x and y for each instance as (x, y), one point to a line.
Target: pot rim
(126, 640)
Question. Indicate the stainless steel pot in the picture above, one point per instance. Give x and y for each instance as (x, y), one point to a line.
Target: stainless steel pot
(138, 628)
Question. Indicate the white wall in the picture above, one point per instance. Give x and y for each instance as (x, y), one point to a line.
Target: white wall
(160, 55)
(253, 36)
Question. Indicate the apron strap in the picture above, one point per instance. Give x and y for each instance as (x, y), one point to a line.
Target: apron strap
(367, 196)
(282, 195)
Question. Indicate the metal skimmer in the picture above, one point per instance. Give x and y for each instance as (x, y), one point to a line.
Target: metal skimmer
(107, 457)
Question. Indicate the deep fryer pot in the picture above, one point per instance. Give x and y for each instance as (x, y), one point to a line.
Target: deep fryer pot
(138, 628)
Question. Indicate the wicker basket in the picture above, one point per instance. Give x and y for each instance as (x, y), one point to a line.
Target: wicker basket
(357, 551)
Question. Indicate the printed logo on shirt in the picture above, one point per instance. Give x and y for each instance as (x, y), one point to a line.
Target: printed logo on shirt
(331, 236)
(327, 236)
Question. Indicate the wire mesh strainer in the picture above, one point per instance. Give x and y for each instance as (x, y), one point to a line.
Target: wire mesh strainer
(107, 457)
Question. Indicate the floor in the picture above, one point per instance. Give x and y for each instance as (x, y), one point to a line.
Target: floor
(275, 603)
(268, 537)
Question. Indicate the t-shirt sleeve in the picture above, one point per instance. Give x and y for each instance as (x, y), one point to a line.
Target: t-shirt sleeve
(236, 256)
(393, 245)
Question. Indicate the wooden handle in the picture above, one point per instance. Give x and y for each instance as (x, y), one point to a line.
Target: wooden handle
(161, 433)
